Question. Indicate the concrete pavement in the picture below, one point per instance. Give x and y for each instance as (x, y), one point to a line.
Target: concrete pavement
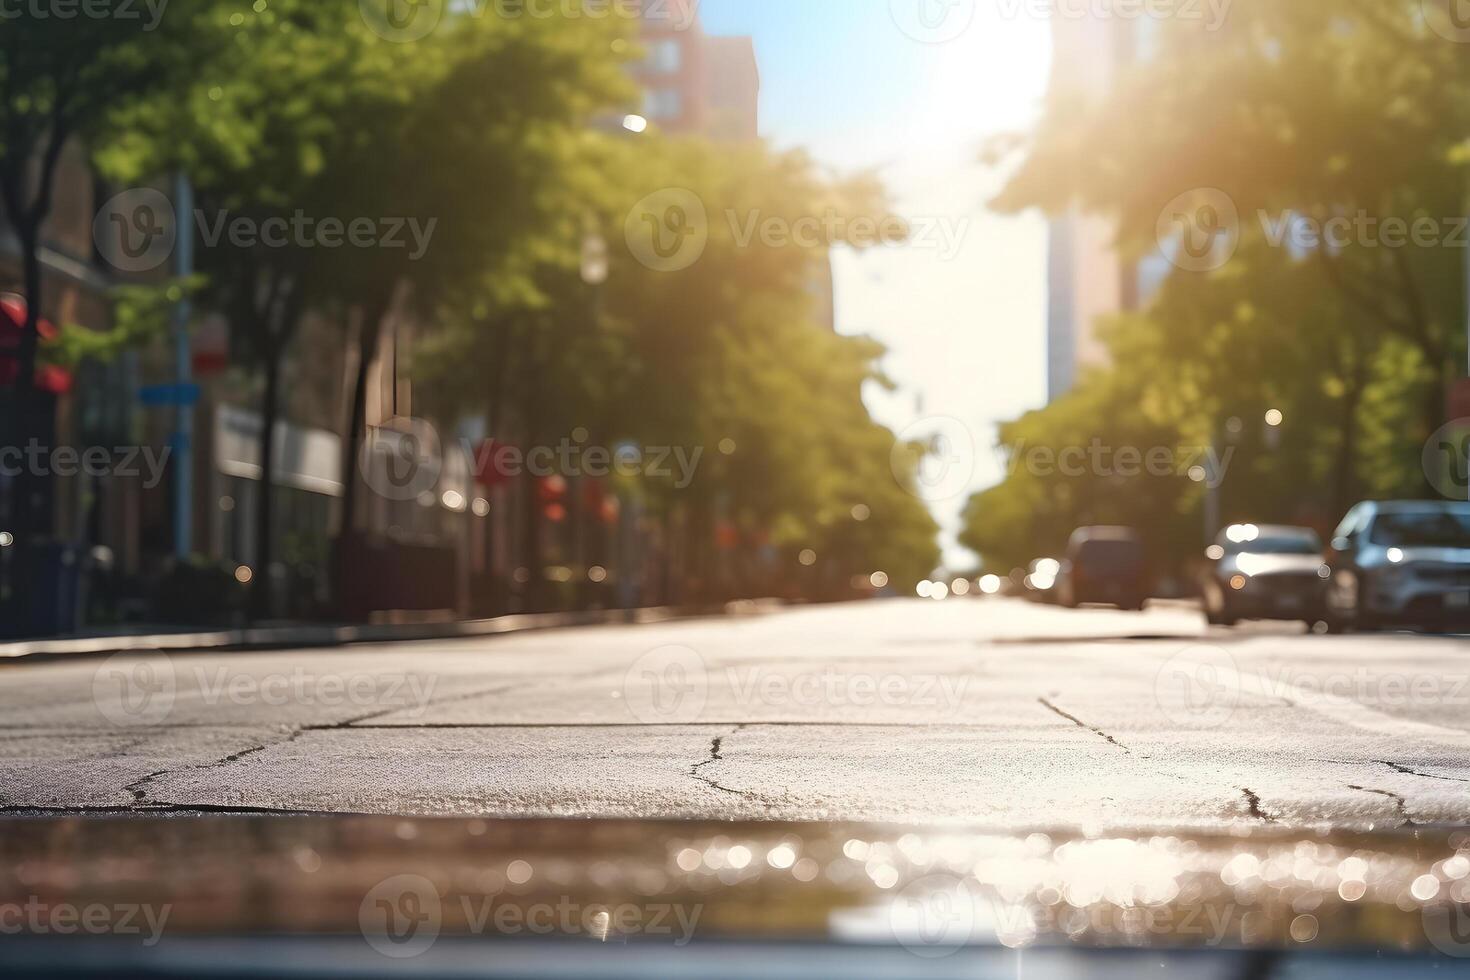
(986, 713)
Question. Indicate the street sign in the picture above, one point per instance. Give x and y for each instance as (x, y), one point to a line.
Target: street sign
(169, 396)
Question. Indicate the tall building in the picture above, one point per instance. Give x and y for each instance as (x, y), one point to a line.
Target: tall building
(1087, 278)
(694, 83)
(732, 89)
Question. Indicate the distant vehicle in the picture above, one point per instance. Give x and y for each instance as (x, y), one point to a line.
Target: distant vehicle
(1041, 580)
(1104, 565)
(1265, 572)
(1400, 564)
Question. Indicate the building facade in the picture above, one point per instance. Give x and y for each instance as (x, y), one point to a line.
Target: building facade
(1088, 279)
(694, 83)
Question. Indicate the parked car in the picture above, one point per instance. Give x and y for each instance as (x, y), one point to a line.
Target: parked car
(1104, 565)
(1265, 572)
(1399, 564)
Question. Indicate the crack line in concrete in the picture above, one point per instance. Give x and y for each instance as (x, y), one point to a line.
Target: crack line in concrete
(139, 787)
(1082, 724)
(715, 747)
(1398, 800)
(1254, 802)
(1423, 775)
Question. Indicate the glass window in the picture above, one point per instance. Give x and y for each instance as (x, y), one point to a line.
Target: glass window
(663, 103)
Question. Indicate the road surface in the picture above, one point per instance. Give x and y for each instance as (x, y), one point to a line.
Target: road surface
(984, 713)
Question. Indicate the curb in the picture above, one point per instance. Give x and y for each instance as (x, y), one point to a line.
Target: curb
(315, 637)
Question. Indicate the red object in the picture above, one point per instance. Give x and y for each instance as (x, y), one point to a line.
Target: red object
(592, 494)
(611, 509)
(1458, 403)
(207, 362)
(727, 536)
(488, 469)
(556, 513)
(552, 489)
(12, 322)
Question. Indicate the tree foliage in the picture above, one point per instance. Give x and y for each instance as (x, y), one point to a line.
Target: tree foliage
(1296, 114)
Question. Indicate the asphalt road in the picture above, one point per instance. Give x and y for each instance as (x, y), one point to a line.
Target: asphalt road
(984, 713)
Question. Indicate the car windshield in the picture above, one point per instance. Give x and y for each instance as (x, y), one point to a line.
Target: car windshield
(1285, 544)
(1103, 553)
(1425, 529)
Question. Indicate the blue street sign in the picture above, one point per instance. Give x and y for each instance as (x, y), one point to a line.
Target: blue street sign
(170, 396)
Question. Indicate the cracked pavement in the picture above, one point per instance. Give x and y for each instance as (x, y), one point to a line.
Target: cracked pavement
(983, 713)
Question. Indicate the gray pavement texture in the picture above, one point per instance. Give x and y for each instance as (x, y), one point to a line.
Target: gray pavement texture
(982, 713)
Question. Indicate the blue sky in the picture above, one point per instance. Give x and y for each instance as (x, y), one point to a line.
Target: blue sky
(963, 315)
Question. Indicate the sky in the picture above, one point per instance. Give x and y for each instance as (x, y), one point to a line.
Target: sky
(962, 309)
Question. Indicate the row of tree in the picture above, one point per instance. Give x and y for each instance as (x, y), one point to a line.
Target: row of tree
(1297, 113)
(488, 127)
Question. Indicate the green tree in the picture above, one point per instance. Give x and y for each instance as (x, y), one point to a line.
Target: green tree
(1290, 117)
(77, 80)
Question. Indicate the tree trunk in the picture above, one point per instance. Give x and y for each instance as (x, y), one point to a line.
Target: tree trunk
(261, 605)
(1344, 483)
(367, 347)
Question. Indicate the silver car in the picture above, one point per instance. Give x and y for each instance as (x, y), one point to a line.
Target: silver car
(1264, 572)
(1401, 563)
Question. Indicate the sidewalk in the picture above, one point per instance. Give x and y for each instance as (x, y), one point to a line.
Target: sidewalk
(316, 636)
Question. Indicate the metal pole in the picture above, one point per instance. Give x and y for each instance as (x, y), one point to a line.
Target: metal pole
(1213, 479)
(183, 370)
